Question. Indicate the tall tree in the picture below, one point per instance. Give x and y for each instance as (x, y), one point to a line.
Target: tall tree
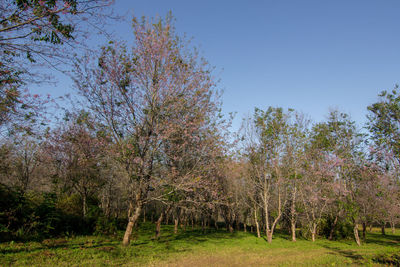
(138, 95)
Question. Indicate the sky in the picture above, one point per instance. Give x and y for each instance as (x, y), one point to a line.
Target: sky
(312, 56)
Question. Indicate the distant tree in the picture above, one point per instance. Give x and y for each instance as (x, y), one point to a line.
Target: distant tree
(265, 152)
(77, 155)
(384, 122)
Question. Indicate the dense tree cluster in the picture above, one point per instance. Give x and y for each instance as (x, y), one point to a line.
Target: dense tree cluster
(148, 142)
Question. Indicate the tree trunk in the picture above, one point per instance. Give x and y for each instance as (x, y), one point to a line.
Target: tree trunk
(269, 236)
(356, 236)
(383, 229)
(176, 225)
(333, 228)
(392, 225)
(158, 225)
(364, 230)
(293, 216)
(131, 223)
(256, 222)
(84, 205)
(314, 232)
(230, 227)
(293, 228)
(159, 221)
(167, 218)
(245, 227)
(203, 226)
(144, 214)
(192, 223)
(216, 225)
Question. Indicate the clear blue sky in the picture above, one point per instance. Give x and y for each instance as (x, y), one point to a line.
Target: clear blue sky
(307, 55)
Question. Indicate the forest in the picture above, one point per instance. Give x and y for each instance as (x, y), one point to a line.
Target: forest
(142, 148)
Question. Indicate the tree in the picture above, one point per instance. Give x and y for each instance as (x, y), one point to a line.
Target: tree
(384, 127)
(384, 117)
(37, 33)
(138, 95)
(77, 154)
(343, 142)
(317, 186)
(265, 153)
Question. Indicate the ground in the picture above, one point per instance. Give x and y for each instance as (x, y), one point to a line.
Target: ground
(193, 248)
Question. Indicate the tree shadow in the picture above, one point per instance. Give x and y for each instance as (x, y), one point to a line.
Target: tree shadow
(383, 240)
(18, 248)
(357, 258)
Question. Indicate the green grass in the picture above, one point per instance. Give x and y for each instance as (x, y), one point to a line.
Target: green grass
(192, 248)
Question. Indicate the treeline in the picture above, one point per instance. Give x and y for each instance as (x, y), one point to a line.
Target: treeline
(146, 139)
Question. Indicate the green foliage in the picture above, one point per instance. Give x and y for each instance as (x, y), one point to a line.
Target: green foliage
(35, 216)
(384, 119)
(106, 226)
(342, 230)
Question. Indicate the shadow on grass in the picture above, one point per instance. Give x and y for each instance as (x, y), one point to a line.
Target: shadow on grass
(197, 236)
(357, 258)
(20, 247)
(383, 240)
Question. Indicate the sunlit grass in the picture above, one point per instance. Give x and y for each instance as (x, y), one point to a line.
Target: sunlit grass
(193, 248)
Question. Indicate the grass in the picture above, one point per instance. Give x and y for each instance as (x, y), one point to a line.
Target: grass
(192, 248)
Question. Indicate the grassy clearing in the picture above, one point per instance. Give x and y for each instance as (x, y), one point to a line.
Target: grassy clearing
(192, 248)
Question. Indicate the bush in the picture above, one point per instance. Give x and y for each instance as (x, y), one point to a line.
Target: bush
(343, 229)
(106, 226)
(41, 215)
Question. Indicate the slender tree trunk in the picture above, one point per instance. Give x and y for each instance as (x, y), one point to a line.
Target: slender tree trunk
(159, 221)
(167, 218)
(370, 228)
(192, 223)
(293, 215)
(364, 230)
(356, 236)
(266, 218)
(132, 221)
(203, 226)
(216, 225)
(314, 232)
(144, 214)
(392, 225)
(256, 222)
(383, 228)
(84, 205)
(158, 225)
(333, 228)
(245, 227)
(176, 220)
(251, 228)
